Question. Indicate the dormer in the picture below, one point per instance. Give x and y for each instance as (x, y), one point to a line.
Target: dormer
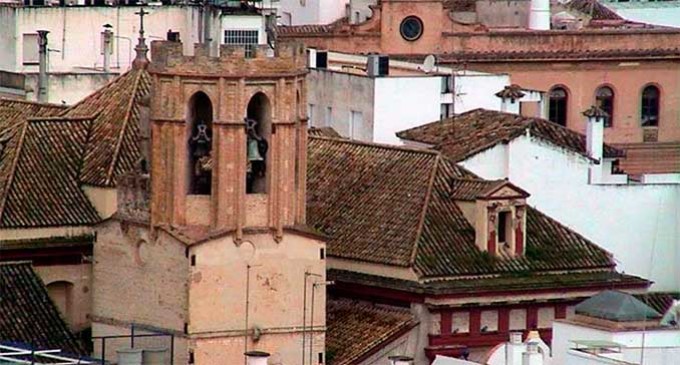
(497, 210)
(500, 217)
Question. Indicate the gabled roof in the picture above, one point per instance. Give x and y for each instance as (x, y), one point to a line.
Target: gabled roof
(43, 189)
(51, 151)
(616, 306)
(356, 330)
(28, 314)
(469, 133)
(473, 189)
(394, 206)
(114, 148)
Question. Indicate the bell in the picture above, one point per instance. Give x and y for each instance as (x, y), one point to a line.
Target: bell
(254, 151)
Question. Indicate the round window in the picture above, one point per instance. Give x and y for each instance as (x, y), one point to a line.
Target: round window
(411, 28)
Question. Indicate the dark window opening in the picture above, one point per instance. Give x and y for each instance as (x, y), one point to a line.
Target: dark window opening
(649, 114)
(191, 357)
(604, 98)
(558, 106)
(320, 357)
(258, 130)
(503, 219)
(200, 144)
(322, 253)
(193, 260)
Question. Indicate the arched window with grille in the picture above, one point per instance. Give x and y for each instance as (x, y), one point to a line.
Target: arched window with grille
(604, 99)
(558, 105)
(649, 110)
(199, 125)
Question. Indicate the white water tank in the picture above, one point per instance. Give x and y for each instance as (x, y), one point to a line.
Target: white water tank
(539, 15)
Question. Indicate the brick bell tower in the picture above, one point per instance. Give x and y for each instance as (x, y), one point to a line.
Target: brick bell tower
(229, 136)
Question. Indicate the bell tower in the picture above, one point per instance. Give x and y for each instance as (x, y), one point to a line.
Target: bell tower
(228, 137)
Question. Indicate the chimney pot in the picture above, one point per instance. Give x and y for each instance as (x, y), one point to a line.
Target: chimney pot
(256, 357)
(400, 360)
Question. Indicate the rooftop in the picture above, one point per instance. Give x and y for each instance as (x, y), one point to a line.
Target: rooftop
(397, 206)
(28, 314)
(616, 306)
(355, 329)
(469, 133)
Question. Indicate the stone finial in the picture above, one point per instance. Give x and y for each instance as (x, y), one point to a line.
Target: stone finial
(595, 112)
(513, 92)
(141, 60)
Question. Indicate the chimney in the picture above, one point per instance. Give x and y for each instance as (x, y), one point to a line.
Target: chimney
(106, 47)
(539, 15)
(510, 95)
(513, 354)
(532, 356)
(595, 132)
(400, 360)
(256, 358)
(43, 85)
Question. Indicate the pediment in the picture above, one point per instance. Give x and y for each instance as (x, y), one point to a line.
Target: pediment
(505, 190)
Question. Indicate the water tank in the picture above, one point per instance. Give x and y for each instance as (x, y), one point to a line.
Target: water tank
(129, 356)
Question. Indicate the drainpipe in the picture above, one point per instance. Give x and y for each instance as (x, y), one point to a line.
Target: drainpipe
(42, 75)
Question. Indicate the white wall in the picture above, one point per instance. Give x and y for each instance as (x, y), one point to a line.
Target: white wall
(639, 224)
(666, 13)
(244, 22)
(478, 91)
(75, 33)
(659, 345)
(313, 11)
(404, 102)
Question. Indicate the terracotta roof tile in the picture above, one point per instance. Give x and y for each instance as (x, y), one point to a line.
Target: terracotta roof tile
(471, 132)
(28, 314)
(44, 188)
(323, 132)
(355, 329)
(593, 9)
(659, 301)
(113, 149)
(396, 206)
(561, 54)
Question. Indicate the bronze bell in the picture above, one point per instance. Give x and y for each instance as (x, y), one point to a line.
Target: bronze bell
(254, 151)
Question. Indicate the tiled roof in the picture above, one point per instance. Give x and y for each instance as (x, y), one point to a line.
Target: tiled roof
(469, 133)
(355, 329)
(323, 132)
(593, 9)
(504, 284)
(28, 314)
(513, 91)
(394, 206)
(113, 149)
(43, 189)
(45, 160)
(659, 301)
(311, 28)
(471, 189)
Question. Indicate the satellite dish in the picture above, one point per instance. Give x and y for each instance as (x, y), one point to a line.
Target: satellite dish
(428, 64)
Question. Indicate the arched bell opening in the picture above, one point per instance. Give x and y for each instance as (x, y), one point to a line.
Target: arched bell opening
(258, 130)
(199, 130)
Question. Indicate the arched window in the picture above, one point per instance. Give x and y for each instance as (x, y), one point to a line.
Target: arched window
(61, 294)
(259, 130)
(604, 98)
(649, 111)
(558, 106)
(199, 124)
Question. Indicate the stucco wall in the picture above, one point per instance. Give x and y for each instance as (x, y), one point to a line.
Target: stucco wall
(79, 303)
(75, 33)
(478, 91)
(312, 11)
(404, 102)
(68, 88)
(8, 38)
(345, 93)
(217, 295)
(639, 224)
(627, 79)
(139, 279)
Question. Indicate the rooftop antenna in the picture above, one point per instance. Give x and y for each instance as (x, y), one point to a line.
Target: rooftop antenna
(429, 63)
